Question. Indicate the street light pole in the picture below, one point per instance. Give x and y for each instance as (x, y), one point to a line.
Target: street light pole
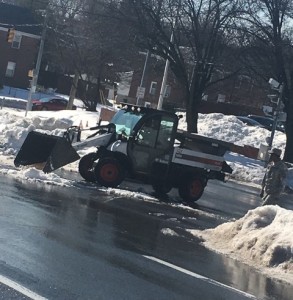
(38, 64)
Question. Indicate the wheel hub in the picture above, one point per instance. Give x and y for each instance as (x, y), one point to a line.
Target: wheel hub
(109, 172)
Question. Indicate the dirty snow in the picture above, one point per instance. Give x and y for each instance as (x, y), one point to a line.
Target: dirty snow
(262, 238)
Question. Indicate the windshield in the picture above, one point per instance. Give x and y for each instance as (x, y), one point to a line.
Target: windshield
(125, 121)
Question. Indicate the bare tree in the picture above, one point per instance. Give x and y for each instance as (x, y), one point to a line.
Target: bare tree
(85, 40)
(268, 27)
(192, 35)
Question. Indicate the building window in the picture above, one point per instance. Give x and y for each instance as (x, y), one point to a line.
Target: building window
(153, 87)
(10, 69)
(16, 41)
(167, 91)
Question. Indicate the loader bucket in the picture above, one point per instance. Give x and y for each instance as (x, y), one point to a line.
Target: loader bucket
(50, 152)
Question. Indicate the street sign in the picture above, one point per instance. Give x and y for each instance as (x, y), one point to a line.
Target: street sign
(140, 92)
(10, 35)
(30, 73)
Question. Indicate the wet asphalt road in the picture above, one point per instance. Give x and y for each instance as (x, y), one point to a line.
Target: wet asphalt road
(82, 243)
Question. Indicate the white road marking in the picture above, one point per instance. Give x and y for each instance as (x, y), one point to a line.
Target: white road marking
(209, 280)
(21, 289)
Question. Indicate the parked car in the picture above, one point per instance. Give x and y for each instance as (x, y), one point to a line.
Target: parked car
(249, 121)
(50, 103)
(267, 122)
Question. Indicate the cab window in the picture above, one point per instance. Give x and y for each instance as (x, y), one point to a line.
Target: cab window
(156, 132)
(148, 133)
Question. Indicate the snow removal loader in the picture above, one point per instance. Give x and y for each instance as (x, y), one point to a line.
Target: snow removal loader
(140, 143)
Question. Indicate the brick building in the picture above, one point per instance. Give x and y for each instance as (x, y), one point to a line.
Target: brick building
(236, 95)
(152, 82)
(18, 57)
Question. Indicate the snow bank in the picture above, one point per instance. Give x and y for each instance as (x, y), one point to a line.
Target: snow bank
(14, 127)
(262, 238)
(231, 129)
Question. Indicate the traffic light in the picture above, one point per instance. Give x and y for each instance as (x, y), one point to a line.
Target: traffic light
(10, 35)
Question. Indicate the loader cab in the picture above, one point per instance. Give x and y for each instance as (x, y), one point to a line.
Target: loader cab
(152, 139)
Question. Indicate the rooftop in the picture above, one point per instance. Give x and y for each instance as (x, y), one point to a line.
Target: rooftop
(18, 17)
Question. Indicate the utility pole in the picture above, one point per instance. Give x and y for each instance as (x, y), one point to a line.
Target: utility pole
(164, 81)
(38, 64)
(165, 76)
(73, 90)
(143, 75)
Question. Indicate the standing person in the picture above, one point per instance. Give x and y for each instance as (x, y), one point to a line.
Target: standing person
(274, 180)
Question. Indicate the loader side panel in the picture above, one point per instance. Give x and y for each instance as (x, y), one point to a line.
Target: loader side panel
(197, 159)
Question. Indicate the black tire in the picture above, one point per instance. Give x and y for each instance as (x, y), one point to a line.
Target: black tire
(86, 167)
(44, 108)
(161, 188)
(109, 172)
(191, 189)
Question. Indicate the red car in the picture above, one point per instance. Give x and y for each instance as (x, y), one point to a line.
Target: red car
(50, 103)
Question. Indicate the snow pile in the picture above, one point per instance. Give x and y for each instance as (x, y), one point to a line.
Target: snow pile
(34, 175)
(14, 127)
(263, 237)
(231, 129)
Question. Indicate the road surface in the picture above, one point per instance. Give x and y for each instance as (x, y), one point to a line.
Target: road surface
(82, 243)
